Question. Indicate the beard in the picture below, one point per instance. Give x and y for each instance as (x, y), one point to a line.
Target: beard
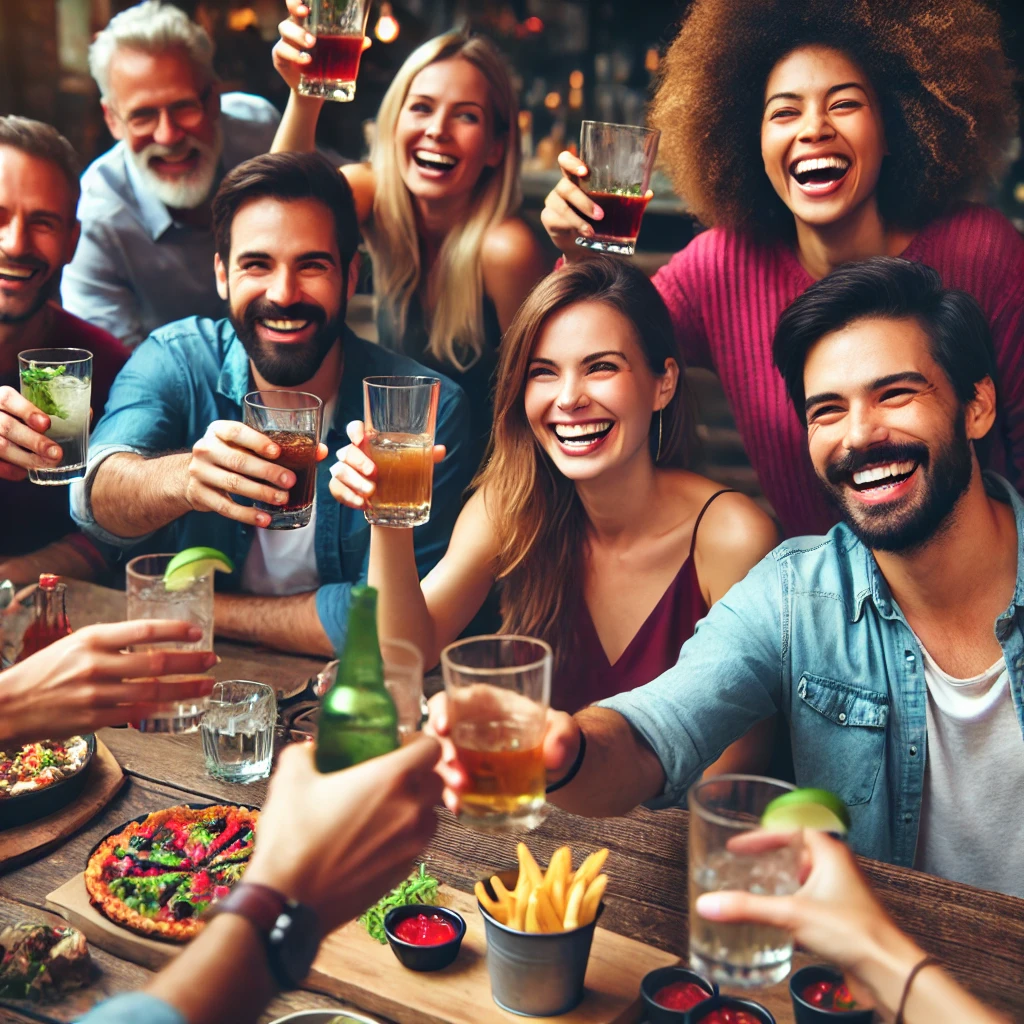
(46, 290)
(192, 190)
(285, 364)
(904, 526)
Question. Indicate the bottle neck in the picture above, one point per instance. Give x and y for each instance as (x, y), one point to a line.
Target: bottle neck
(360, 662)
(51, 608)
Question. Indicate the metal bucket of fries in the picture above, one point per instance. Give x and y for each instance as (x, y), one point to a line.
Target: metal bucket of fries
(538, 961)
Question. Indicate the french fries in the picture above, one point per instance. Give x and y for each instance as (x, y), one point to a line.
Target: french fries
(555, 900)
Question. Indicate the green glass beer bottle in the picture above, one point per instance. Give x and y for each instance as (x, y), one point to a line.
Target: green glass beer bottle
(358, 719)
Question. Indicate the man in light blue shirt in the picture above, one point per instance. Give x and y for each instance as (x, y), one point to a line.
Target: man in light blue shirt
(856, 636)
(172, 466)
(145, 256)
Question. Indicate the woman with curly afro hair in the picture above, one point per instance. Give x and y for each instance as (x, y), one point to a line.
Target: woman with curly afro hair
(806, 135)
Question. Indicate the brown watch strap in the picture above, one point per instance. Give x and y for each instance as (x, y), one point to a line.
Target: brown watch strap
(257, 903)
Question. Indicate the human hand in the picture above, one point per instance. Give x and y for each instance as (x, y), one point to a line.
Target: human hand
(562, 214)
(291, 52)
(353, 476)
(338, 841)
(222, 463)
(561, 740)
(87, 680)
(23, 444)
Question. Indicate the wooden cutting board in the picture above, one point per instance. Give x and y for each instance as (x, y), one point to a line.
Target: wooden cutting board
(27, 842)
(354, 968)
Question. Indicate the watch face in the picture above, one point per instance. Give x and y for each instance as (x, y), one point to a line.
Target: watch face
(292, 944)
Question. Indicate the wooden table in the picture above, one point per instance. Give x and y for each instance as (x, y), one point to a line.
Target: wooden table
(979, 935)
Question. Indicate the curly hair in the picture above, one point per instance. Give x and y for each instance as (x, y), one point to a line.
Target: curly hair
(937, 66)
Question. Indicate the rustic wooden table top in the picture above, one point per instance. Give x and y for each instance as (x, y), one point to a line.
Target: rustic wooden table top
(979, 935)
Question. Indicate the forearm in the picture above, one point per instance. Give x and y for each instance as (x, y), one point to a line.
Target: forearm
(284, 623)
(619, 770)
(157, 488)
(402, 612)
(297, 131)
(221, 975)
(77, 559)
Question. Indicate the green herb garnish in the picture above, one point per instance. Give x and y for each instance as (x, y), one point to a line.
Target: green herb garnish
(36, 388)
(419, 888)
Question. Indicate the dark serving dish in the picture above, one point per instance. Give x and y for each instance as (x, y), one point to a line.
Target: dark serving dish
(805, 1013)
(424, 958)
(655, 981)
(26, 807)
(756, 1010)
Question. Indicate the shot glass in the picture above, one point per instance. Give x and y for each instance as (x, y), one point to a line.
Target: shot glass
(292, 420)
(499, 689)
(339, 27)
(149, 597)
(620, 159)
(58, 381)
(728, 850)
(400, 418)
(238, 730)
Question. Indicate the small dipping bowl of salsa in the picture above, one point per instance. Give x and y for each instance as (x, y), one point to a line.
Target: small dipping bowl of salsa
(819, 994)
(669, 993)
(424, 938)
(727, 1010)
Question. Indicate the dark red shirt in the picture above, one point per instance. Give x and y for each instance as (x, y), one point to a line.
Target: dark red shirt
(32, 516)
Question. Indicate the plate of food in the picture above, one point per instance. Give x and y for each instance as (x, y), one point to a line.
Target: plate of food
(324, 1017)
(37, 779)
(157, 874)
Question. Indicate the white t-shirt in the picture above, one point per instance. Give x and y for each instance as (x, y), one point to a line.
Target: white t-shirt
(972, 813)
(283, 562)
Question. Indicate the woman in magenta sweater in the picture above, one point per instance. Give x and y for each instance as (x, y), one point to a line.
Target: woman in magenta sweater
(807, 135)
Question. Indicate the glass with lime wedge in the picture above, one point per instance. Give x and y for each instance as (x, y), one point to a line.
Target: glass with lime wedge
(816, 809)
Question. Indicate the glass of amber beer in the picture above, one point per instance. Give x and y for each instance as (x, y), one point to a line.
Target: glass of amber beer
(292, 420)
(499, 688)
(401, 417)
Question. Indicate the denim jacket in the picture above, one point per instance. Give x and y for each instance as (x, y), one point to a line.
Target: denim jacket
(195, 371)
(813, 632)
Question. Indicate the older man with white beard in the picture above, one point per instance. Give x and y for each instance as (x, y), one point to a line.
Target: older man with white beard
(145, 257)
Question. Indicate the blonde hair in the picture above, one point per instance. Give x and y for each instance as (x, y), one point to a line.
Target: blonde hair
(455, 288)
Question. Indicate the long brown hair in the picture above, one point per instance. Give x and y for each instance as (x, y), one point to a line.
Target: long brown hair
(541, 524)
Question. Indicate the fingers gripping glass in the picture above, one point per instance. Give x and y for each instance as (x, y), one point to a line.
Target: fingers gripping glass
(185, 114)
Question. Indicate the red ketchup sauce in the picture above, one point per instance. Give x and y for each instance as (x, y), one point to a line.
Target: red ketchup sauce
(681, 995)
(829, 995)
(726, 1015)
(422, 930)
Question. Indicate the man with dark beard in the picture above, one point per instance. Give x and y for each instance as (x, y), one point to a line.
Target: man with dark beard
(892, 645)
(38, 233)
(172, 449)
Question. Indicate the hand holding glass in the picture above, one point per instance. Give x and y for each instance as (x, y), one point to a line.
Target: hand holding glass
(339, 27)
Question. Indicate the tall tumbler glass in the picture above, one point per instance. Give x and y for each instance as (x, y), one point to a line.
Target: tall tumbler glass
(401, 418)
(728, 850)
(339, 27)
(620, 159)
(498, 689)
(292, 420)
(151, 597)
(58, 381)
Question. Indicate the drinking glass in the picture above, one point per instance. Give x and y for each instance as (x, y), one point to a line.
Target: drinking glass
(58, 381)
(149, 597)
(403, 679)
(238, 730)
(729, 851)
(620, 159)
(498, 689)
(292, 420)
(339, 27)
(401, 417)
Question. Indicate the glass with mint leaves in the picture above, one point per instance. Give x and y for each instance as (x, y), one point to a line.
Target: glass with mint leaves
(58, 382)
(619, 159)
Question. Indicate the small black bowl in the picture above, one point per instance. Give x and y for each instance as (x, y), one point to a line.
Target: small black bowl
(657, 980)
(424, 958)
(805, 1013)
(756, 1010)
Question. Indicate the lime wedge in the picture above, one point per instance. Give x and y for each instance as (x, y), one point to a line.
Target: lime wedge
(192, 563)
(806, 808)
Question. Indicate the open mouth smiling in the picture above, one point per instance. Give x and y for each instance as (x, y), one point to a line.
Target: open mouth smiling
(284, 326)
(20, 275)
(821, 174)
(581, 436)
(881, 478)
(431, 161)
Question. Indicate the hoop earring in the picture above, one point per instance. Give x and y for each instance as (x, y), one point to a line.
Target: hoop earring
(658, 456)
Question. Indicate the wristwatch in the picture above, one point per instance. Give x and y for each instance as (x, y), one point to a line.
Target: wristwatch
(290, 930)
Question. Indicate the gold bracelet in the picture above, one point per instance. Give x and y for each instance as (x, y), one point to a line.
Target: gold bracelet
(915, 970)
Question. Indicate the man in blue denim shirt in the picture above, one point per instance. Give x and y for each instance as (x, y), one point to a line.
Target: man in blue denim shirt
(171, 449)
(861, 638)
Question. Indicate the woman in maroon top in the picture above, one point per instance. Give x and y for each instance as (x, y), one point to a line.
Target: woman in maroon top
(584, 509)
(807, 135)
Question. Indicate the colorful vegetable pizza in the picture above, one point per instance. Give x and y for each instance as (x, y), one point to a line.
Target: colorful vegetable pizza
(38, 765)
(159, 875)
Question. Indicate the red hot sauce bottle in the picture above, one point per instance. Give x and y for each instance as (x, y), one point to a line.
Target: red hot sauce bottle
(50, 621)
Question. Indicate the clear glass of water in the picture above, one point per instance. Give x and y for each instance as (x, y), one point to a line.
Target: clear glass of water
(727, 850)
(58, 381)
(238, 730)
(149, 597)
